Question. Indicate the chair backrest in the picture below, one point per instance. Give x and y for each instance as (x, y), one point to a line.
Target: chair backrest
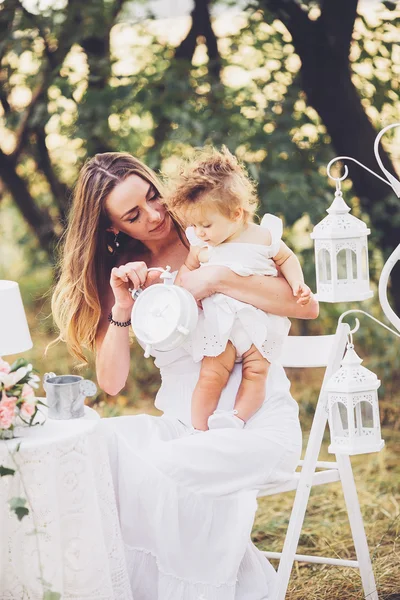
(307, 351)
(316, 351)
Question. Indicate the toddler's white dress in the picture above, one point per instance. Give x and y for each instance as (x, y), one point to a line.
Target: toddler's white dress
(224, 318)
(187, 502)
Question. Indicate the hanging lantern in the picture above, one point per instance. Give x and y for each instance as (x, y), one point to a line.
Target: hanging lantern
(341, 255)
(353, 408)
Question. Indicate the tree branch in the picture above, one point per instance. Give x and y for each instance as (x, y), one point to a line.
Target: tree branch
(55, 60)
(39, 23)
(117, 7)
(181, 62)
(39, 219)
(201, 25)
(69, 34)
(24, 124)
(4, 101)
(7, 14)
(59, 190)
(296, 21)
(96, 103)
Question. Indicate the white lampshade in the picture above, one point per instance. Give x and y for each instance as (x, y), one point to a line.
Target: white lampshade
(14, 331)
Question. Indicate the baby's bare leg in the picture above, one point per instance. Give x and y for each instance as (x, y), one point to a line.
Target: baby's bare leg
(251, 391)
(214, 375)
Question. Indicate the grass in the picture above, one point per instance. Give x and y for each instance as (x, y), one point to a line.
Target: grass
(326, 531)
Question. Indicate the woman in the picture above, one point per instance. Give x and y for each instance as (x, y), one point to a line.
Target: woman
(186, 502)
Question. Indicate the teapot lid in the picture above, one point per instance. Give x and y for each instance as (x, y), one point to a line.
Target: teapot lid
(156, 313)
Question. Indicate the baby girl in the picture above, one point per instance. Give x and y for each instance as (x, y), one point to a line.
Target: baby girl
(215, 199)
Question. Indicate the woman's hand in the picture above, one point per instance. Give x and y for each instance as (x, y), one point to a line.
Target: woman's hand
(132, 275)
(203, 282)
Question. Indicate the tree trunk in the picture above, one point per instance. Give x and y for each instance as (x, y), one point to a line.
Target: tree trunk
(58, 188)
(181, 63)
(39, 220)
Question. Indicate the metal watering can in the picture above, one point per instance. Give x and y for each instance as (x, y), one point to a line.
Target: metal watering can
(66, 395)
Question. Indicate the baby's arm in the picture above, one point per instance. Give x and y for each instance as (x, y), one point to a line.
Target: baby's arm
(191, 263)
(291, 269)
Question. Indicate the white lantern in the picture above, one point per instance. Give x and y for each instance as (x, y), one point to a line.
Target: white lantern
(353, 408)
(341, 255)
(164, 315)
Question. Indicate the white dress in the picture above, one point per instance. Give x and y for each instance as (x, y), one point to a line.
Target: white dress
(224, 318)
(187, 502)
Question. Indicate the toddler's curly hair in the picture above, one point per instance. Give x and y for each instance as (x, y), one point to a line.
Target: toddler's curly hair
(213, 178)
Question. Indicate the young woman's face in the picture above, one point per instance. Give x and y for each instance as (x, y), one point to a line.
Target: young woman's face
(134, 208)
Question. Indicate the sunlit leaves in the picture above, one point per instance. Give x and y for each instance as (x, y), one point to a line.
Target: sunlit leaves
(157, 108)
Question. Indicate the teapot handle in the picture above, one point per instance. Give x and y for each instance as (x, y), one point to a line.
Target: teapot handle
(165, 275)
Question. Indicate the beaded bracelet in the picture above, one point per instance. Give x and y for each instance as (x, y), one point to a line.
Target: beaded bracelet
(118, 323)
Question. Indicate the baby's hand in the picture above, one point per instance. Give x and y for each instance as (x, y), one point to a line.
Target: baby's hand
(303, 292)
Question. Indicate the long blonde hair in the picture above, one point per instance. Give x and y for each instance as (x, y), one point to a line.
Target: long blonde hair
(86, 262)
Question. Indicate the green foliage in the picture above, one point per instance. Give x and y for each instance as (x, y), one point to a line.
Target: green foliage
(4, 471)
(49, 595)
(20, 362)
(17, 505)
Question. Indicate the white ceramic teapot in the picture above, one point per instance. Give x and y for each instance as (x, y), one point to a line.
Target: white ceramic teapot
(163, 315)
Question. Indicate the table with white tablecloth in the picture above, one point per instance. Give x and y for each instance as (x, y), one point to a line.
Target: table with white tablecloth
(70, 541)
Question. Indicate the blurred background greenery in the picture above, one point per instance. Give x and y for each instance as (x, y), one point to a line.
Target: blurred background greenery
(286, 86)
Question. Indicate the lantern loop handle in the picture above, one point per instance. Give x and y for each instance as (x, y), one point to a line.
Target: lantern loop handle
(357, 326)
(346, 171)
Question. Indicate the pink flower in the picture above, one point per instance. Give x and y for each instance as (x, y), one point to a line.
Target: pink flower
(4, 366)
(28, 407)
(6, 418)
(27, 392)
(8, 402)
(27, 410)
(7, 411)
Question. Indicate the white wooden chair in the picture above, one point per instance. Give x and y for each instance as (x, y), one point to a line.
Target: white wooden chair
(320, 351)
